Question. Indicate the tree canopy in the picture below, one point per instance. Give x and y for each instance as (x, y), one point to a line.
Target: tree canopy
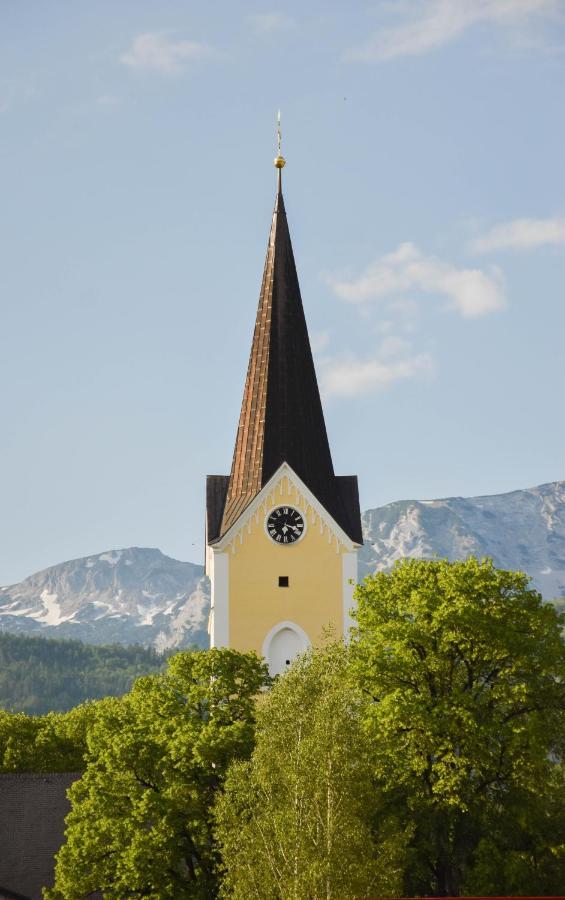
(463, 669)
(141, 818)
(55, 742)
(424, 758)
(296, 820)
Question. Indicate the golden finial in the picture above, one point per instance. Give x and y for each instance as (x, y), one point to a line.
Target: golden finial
(280, 161)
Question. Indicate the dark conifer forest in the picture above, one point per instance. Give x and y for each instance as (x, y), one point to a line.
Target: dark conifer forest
(40, 675)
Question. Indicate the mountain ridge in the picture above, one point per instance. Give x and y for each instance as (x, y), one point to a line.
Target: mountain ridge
(140, 595)
(131, 595)
(522, 529)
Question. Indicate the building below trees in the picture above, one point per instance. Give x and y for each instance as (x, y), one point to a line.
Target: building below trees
(33, 807)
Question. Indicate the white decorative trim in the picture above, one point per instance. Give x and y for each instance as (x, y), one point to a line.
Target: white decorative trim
(349, 570)
(219, 612)
(280, 626)
(266, 497)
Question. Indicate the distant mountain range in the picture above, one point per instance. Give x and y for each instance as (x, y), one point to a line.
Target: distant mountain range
(522, 530)
(139, 595)
(129, 596)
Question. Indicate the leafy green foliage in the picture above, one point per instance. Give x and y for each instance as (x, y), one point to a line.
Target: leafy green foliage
(55, 742)
(521, 850)
(39, 675)
(559, 604)
(296, 820)
(463, 668)
(141, 820)
(425, 759)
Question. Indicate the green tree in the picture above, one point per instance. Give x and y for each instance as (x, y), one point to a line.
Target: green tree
(52, 743)
(522, 847)
(296, 821)
(463, 669)
(141, 823)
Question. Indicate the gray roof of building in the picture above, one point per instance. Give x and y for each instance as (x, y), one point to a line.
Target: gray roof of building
(5, 894)
(33, 808)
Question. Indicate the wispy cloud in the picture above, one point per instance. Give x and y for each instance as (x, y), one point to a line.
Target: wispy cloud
(394, 360)
(470, 292)
(108, 100)
(520, 234)
(268, 23)
(426, 25)
(17, 91)
(155, 51)
(319, 341)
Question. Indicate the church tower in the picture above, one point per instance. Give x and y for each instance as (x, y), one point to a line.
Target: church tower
(282, 530)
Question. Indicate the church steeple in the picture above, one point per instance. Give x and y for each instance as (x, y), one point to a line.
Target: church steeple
(281, 417)
(282, 530)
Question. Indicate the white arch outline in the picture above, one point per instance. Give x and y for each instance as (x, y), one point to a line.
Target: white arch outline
(280, 626)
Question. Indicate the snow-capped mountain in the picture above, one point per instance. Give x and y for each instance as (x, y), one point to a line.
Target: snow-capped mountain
(142, 596)
(129, 596)
(522, 530)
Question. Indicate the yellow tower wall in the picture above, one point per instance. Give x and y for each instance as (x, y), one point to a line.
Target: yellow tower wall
(314, 566)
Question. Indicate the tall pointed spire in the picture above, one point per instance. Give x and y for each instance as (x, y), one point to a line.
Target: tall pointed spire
(281, 417)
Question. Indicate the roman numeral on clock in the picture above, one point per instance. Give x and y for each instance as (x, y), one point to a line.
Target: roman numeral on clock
(285, 525)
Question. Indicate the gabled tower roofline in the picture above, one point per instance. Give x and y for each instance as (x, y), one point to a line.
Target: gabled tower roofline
(281, 417)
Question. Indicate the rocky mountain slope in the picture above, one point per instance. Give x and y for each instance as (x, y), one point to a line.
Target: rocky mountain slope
(142, 596)
(523, 530)
(129, 596)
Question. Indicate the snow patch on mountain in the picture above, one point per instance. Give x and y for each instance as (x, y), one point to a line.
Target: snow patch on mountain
(113, 557)
(192, 617)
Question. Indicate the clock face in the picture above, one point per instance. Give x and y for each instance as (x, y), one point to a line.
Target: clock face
(285, 525)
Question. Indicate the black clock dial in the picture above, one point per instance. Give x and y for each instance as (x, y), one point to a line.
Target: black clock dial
(285, 525)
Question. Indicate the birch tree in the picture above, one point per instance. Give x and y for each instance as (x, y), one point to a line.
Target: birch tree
(297, 820)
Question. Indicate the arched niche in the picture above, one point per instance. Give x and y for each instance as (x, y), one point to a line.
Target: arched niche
(284, 642)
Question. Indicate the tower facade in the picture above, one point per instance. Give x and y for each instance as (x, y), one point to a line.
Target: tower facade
(282, 530)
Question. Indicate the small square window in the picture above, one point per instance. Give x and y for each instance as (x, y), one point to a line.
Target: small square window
(283, 580)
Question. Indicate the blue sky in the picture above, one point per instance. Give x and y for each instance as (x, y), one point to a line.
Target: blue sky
(424, 188)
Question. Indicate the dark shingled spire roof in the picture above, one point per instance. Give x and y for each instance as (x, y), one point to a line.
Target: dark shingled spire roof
(281, 416)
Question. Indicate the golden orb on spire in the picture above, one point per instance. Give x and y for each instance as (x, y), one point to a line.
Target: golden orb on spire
(279, 162)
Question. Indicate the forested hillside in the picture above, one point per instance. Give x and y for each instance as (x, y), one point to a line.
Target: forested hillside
(38, 674)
